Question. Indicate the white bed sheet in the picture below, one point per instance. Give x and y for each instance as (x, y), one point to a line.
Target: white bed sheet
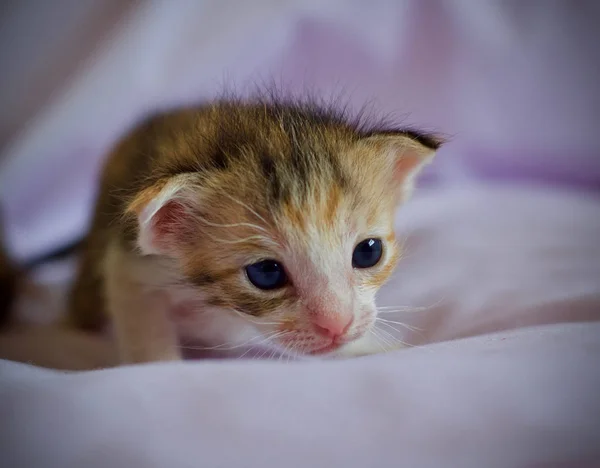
(480, 259)
(525, 399)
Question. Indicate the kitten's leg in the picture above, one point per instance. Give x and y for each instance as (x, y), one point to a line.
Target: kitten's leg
(143, 329)
(366, 345)
(86, 307)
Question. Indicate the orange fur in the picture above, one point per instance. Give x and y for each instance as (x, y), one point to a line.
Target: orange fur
(196, 195)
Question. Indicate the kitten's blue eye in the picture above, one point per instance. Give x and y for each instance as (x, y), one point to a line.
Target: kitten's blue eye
(267, 274)
(367, 253)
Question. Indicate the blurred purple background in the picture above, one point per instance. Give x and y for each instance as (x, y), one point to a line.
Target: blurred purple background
(514, 83)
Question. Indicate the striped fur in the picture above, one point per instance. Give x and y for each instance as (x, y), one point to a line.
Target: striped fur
(220, 186)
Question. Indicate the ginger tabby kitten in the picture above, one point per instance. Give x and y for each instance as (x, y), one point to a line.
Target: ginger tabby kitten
(245, 220)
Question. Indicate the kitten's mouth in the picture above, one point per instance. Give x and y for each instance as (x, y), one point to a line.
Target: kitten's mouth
(335, 345)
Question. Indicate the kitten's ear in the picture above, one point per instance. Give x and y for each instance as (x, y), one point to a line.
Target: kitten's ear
(404, 155)
(166, 215)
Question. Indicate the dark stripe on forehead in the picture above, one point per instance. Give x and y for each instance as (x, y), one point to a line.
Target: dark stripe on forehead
(302, 165)
(227, 146)
(312, 154)
(301, 156)
(300, 174)
(267, 166)
(219, 160)
(337, 171)
(277, 190)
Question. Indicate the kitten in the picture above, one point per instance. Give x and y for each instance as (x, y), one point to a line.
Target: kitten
(243, 220)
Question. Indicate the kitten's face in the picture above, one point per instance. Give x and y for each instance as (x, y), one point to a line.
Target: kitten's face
(305, 275)
(287, 222)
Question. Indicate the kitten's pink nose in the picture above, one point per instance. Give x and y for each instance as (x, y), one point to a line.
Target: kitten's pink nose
(332, 325)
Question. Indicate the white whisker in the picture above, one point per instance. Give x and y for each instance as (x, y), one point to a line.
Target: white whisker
(262, 239)
(408, 327)
(396, 343)
(379, 339)
(289, 351)
(227, 347)
(246, 352)
(247, 207)
(394, 329)
(390, 309)
(401, 310)
(393, 337)
(269, 338)
(284, 352)
(265, 351)
(253, 226)
(388, 332)
(383, 338)
(399, 341)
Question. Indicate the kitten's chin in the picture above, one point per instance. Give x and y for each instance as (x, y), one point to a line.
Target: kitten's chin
(329, 349)
(332, 349)
(322, 346)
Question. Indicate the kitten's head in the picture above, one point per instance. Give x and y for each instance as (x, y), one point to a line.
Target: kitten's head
(282, 216)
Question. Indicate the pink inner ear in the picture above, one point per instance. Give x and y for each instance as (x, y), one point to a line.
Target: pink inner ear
(405, 165)
(170, 226)
(409, 164)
